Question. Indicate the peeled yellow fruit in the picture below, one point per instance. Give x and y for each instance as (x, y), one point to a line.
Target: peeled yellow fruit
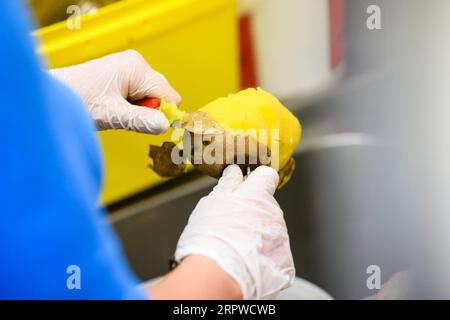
(257, 109)
(250, 128)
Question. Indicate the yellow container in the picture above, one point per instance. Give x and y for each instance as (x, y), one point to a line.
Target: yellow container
(192, 42)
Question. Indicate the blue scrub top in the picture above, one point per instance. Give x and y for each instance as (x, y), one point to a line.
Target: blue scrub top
(50, 179)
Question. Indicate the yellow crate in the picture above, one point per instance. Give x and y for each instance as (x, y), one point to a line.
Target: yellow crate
(192, 42)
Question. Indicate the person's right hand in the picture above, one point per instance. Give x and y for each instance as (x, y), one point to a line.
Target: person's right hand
(241, 227)
(106, 85)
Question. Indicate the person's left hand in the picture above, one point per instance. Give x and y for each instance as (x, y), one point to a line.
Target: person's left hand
(106, 86)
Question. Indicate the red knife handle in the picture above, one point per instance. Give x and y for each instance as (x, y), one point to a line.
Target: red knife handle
(152, 103)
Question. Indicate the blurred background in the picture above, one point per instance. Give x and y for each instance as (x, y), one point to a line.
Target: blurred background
(368, 80)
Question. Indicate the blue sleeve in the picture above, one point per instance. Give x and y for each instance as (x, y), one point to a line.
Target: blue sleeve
(50, 179)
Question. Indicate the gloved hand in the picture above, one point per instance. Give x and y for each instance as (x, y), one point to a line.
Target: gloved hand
(241, 227)
(107, 83)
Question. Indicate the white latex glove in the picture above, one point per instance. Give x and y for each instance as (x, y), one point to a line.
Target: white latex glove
(107, 83)
(241, 227)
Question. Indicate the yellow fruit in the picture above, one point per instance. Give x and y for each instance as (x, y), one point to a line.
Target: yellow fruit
(258, 110)
(268, 133)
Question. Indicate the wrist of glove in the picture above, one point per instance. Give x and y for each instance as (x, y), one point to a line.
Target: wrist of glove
(106, 86)
(241, 227)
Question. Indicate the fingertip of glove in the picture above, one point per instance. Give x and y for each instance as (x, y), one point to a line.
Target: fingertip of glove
(269, 172)
(262, 178)
(174, 97)
(160, 122)
(231, 178)
(166, 91)
(232, 170)
(152, 121)
(266, 170)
